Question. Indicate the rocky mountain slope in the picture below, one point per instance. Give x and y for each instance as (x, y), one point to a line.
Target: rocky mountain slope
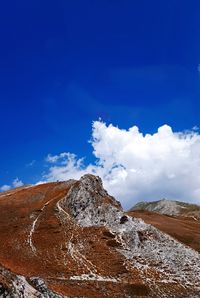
(170, 207)
(184, 229)
(71, 239)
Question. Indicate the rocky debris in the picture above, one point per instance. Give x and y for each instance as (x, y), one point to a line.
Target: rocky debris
(184, 229)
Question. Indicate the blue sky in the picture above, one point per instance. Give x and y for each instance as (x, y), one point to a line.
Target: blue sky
(64, 64)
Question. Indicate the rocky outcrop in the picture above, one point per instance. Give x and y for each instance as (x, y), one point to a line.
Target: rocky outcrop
(13, 285)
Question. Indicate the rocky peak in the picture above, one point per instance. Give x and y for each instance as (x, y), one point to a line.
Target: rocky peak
(88, 202)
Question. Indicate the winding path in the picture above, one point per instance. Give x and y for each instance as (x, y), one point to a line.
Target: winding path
(30, 236)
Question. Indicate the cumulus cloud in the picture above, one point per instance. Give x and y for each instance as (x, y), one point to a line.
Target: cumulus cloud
(16, 183)
(134, 166)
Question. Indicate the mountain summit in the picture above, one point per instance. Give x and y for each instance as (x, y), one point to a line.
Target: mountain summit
(72, 239)
(170, 207)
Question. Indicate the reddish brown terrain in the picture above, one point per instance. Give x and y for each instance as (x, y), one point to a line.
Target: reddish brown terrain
(71, 239)
(184, 229)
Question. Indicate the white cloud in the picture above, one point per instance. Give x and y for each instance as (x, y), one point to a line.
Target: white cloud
(5, 187)
(55, 158)
(67, 167)
(137, 167)
(16, 183)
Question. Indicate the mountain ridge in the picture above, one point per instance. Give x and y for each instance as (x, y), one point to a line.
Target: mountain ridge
(169, 207)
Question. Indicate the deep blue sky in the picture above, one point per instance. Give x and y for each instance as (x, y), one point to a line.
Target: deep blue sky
(66, 63)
